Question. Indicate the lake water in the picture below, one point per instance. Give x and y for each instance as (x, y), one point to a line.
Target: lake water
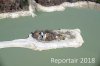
(88, 21)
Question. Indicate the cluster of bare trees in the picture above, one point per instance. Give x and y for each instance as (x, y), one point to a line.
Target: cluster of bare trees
(18, 5)
(50, 2)
(13, 5)
(57, 2)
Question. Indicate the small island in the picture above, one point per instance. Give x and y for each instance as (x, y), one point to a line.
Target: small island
(47, 39)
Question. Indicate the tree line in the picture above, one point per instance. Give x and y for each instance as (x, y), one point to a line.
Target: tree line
(13, 5)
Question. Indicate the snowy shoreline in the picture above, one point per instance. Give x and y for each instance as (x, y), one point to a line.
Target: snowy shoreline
(38, 7)
(14, 14)
(34, 44)
(63, 6)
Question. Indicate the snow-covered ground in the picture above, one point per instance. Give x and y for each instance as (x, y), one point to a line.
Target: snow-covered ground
(33, 6)
(14, 14)
(34, 44)
(63, 6)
